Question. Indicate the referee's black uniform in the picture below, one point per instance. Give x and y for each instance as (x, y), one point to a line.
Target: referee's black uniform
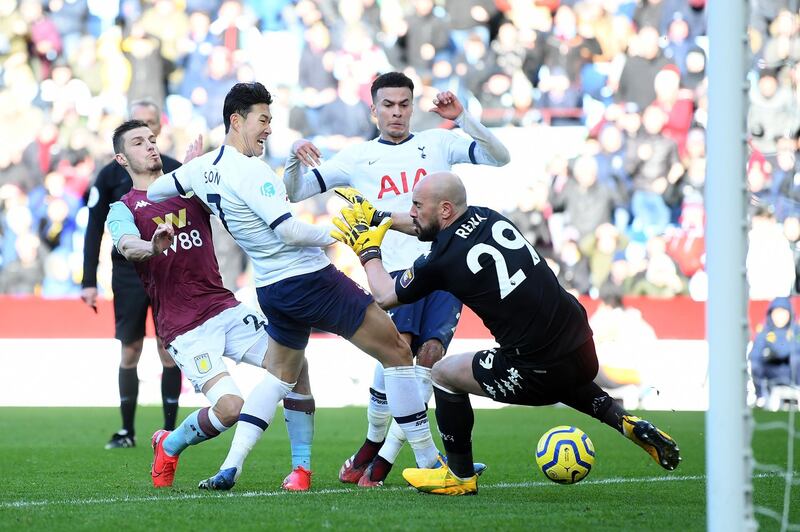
(130, 300)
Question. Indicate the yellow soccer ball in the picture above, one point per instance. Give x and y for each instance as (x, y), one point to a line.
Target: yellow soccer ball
(565, 454)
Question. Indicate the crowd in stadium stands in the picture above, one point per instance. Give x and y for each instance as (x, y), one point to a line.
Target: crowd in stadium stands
(624, 217)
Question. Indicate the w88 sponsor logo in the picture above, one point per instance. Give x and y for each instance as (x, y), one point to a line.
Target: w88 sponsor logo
(185, 240)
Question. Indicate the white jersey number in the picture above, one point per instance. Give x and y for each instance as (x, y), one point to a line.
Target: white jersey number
(506, 282)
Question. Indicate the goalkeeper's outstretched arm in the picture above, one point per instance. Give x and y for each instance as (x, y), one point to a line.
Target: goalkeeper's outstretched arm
(381, 284)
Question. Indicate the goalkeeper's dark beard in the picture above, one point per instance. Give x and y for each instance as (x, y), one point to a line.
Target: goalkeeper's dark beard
(427, 234)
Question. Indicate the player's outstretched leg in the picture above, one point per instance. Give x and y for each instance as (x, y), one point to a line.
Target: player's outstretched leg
(199, 426)
(378, 417)
(455, 418)
(164, 465)
(256, 415)
(298, 411)
(594, 401)
(655, 442)
(378, 336)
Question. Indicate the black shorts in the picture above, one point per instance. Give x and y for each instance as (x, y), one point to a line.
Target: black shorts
(130, 303)
(511, 378)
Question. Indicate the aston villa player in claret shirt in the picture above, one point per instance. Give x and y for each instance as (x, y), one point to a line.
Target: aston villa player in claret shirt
(198, 319)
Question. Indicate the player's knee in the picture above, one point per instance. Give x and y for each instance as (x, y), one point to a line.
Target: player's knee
(397, 353)
(130, 354)
(439, 373)
(228, 408)
(430, 352)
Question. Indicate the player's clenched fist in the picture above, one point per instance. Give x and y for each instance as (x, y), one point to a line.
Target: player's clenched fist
(373, 216)
(358, 235)
(162, 238)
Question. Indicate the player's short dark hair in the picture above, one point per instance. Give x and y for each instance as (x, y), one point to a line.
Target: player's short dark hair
(391, 79)
(241, 98)
(119, 133)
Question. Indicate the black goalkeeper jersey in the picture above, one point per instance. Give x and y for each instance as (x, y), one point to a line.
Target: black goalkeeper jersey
(484, 261)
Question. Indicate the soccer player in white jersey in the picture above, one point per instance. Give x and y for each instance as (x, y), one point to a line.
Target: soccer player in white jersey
(196, 317)
(297, 286)
(385, 170)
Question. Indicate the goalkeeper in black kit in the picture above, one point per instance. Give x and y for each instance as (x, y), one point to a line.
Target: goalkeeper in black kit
(546, 352)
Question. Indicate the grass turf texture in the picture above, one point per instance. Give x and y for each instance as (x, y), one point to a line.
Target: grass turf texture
(57, 476)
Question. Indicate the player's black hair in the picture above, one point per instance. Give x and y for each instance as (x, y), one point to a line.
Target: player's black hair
(241, 98)
(119, 133)
(391, 79)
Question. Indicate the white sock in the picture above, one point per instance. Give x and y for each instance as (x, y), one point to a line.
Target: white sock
(378, 414)
(423, 375)
(257, 413)
(396, 438)
(408, 410)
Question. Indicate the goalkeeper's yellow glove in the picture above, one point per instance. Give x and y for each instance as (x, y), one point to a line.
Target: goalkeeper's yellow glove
(356, 233)
(373, 216)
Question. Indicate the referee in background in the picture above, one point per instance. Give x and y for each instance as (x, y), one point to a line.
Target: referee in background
(130, 300)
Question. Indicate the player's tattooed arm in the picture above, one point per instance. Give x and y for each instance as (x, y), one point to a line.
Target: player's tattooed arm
(135, 249)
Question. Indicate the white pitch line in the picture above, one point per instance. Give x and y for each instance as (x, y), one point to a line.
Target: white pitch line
(337, 491)
(282, 493)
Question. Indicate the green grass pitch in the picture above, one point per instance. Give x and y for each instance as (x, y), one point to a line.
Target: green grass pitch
(57, 476)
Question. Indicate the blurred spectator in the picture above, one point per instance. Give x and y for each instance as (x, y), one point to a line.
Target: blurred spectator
(645, 59)
(661, 278)
(600, 247)
(619, 280)
(653, 163)
(772, 112)
(345, 120)
(791, 230)
(676, 103)
(573, 267)
(770, 262)
(585, 202)
(24, 274)
(427, 34)
(531, 214)
(148, 73)
(759, 177)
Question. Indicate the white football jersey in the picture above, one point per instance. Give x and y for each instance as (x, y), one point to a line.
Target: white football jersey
(250, 201)
(386, 174)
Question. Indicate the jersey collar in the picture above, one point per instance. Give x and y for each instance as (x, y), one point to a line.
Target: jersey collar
(448, 231)
(409, 137)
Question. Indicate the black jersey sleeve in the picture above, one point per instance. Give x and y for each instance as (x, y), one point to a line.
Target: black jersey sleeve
(170, 164)
(417, 281)
(99, 203)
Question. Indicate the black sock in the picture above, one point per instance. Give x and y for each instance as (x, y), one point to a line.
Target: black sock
(170, 393)
(455, 419)
(380, 468)
(368, 451)
(128, 395)
(593, 401)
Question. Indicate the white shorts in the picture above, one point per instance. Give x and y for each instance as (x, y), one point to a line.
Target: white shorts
(238, 333)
